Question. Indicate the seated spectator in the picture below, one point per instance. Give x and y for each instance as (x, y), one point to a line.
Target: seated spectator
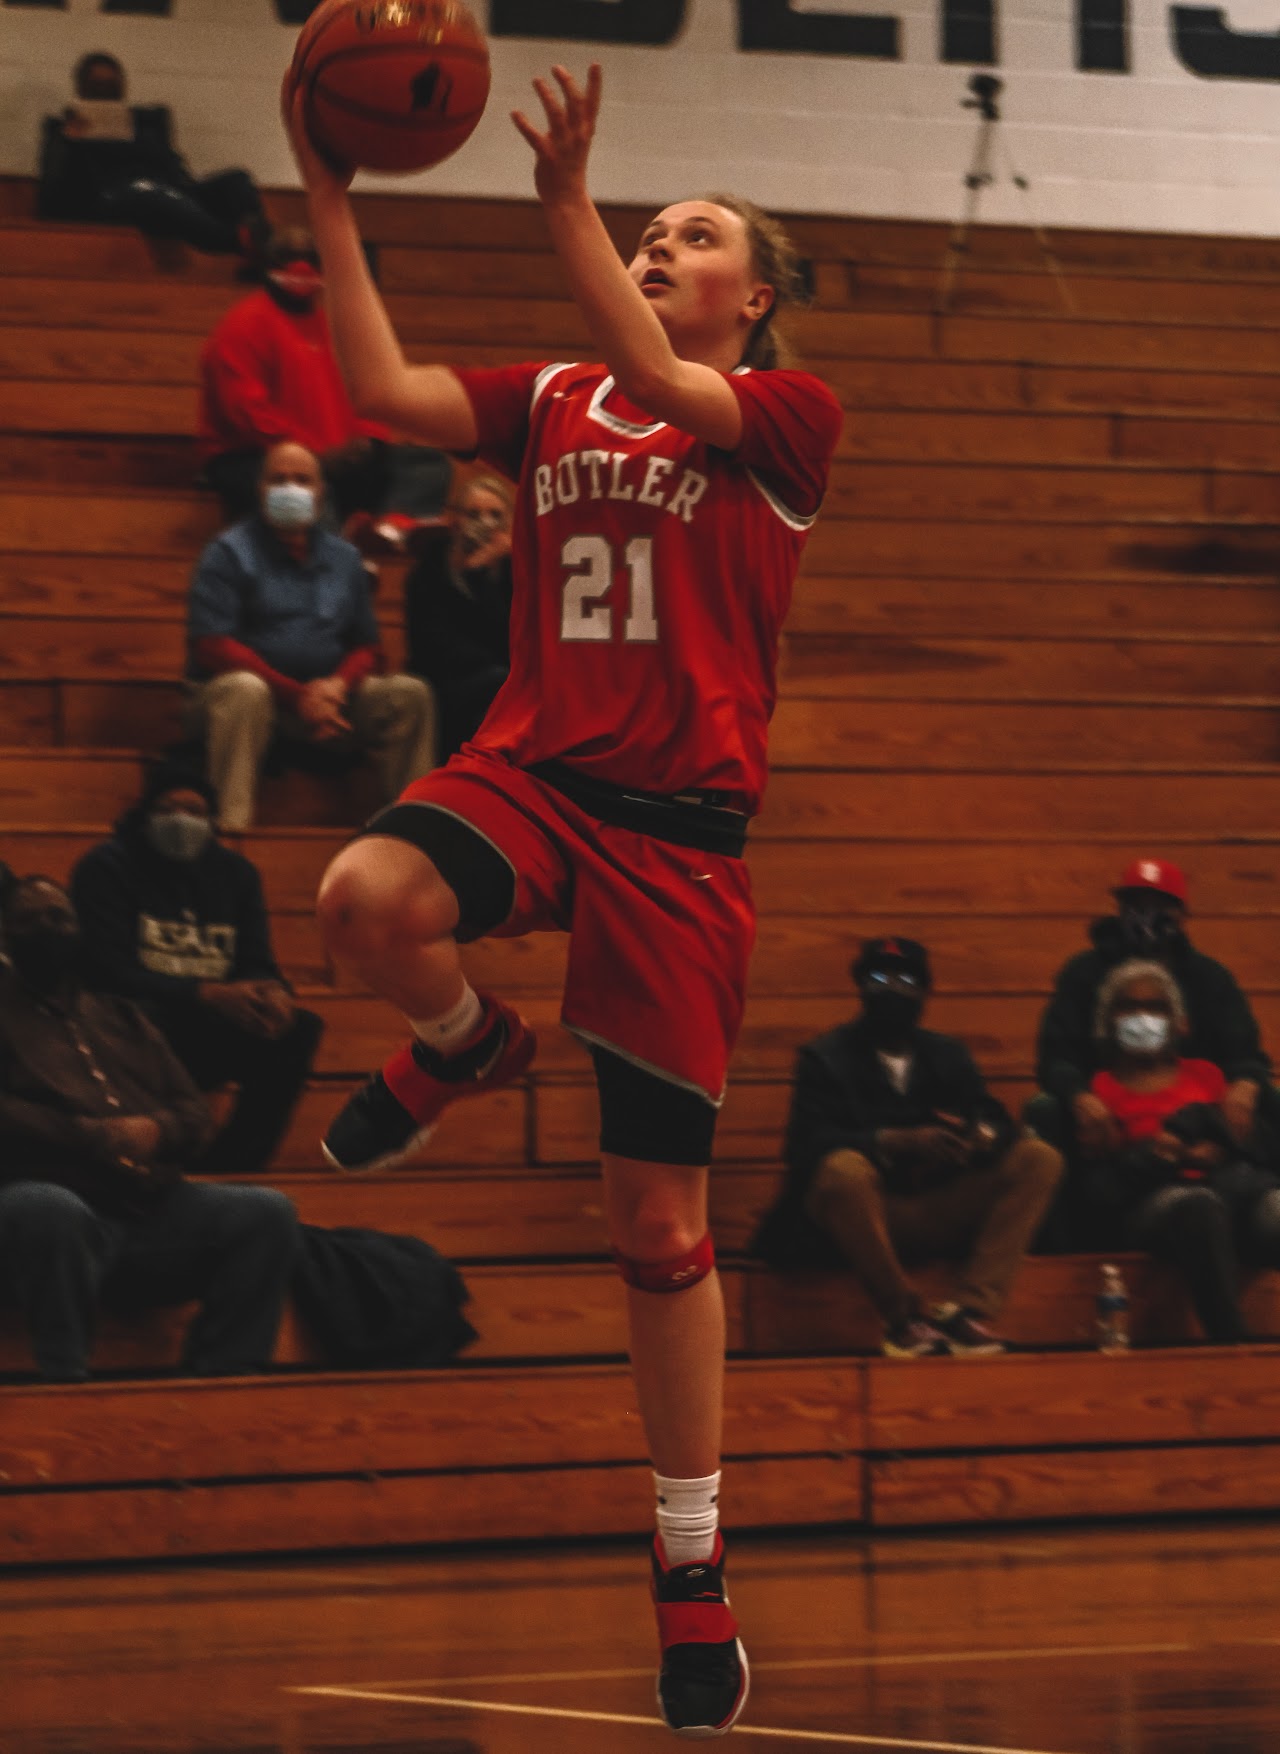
(896, 1152)
(283, 639)
(1149, 922)
(176, 921)
(268, 372)
(457, 605)
(1173, 1179)
(98, 1120)
(103, 162)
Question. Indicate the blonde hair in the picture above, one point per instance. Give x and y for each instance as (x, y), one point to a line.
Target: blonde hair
(1115, 984)
(776, 261)
(493, 484)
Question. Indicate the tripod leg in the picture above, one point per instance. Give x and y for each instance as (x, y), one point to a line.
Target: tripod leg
(976, 179)
(1050, 260)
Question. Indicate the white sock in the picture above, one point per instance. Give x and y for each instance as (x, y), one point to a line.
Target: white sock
(448, 1032)
(688, 1517)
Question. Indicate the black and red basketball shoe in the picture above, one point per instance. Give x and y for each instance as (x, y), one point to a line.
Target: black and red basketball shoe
(703, 1682)
(397, 1109)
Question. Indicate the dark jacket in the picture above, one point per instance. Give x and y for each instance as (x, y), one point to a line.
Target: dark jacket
(842, 1097)
(1222, 1026)
(76, 174)
(154, 928)
(455, 629)
(60, 1068)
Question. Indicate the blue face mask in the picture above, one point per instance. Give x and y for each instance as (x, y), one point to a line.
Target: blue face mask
(290, 506)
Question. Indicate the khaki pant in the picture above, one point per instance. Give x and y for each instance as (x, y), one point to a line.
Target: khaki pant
(394, 717)
(984, 1220)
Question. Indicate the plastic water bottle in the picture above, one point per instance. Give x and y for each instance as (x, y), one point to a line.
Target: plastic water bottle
(1113, 1311)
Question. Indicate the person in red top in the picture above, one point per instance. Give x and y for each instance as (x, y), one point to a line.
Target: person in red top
(663, 500)
(1178, 1184)
(268, 373)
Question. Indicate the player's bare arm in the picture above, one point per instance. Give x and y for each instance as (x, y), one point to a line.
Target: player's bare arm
(690, 394)
(426, 402)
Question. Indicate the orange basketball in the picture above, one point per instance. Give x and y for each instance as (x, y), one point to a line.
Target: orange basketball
(391, 85)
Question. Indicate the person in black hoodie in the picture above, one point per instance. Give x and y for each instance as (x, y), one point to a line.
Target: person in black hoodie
(457, 608)
(176, 921)
(1150, 923)
(895, 1148)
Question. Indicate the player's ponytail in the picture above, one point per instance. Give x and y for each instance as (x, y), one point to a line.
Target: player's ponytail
(776, 261)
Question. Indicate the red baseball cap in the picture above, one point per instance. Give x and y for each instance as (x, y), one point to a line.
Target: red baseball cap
(1154, 874)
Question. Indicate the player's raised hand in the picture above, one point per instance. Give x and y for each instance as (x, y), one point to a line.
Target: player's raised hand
(321, 176)
(562, 149)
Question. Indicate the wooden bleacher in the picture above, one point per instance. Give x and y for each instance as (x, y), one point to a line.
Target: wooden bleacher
(1035, 635)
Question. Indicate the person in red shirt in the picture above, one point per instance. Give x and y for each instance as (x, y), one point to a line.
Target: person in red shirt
(268, 373)
(663, 499)
(1178, 1184)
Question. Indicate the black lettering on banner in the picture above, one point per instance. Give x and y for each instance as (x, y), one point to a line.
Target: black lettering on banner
(1102, 36)
(1206, 44)
(53, 5)
(139, 8)
(295, 12)
(588, 21)
(969, 31)
(771, 24)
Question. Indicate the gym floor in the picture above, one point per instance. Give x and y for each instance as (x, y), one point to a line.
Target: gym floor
(1135, 1640)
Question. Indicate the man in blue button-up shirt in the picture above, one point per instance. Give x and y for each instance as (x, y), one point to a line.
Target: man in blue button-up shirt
(282, 635)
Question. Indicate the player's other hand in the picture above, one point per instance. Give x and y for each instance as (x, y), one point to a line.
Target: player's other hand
(561, 152)
(320, 174)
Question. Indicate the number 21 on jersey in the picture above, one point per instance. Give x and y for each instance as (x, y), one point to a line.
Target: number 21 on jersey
(584, 612)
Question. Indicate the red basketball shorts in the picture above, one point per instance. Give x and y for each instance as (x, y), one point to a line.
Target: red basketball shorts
(659, 935)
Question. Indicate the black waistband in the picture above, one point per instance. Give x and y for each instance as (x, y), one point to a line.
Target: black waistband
(699, 819)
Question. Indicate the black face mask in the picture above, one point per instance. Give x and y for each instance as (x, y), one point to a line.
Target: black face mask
(1150, 932)
(891, 1016)
(45, 956)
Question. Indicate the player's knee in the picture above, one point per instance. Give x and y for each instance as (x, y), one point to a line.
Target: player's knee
(671, 1273)
(380, 897)
(655, 1212)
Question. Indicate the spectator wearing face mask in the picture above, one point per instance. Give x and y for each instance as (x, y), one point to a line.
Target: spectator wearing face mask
(172, 919)
(896, 1154)
(1149, 922)
(458, 609)
(106, 163)
(283, 641)
(268, 373)
(1173, 1178)
(98, 1121)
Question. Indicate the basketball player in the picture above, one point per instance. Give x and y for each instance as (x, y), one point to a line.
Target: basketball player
(662, 505)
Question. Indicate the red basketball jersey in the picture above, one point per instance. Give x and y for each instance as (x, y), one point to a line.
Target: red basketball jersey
(652, 573)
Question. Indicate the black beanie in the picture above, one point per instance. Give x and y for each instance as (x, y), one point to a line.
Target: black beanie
(168, 774)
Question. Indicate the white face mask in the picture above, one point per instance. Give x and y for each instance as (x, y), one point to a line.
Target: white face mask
(1143, 1032)
(290, 506)
(177, 835)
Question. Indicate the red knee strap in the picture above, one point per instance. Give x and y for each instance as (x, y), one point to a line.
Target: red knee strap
(680, 1274)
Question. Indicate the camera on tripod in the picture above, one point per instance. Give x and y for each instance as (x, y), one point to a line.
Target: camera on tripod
(986, 88)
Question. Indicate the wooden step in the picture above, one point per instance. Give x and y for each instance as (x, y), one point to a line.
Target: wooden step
(1208, 609)
(43, 787)
(280, 1464)
(1028, 878)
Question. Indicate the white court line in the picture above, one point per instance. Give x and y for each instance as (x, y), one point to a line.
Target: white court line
(833, 1738)
(888, 1659)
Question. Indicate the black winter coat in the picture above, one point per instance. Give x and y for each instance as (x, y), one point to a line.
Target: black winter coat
(1222, 1025)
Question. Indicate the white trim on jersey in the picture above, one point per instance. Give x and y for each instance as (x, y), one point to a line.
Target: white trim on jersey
(791, 519)
(543, 378)
(615, 422)
(599, 1041)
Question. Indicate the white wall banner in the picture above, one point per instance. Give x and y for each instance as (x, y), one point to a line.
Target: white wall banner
(1135, 114)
